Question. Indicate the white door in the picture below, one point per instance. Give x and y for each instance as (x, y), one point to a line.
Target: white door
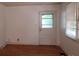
(47, 29)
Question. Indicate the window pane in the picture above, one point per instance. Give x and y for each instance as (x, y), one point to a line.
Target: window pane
(71, 29)
(46, 26)
(71, 20)
(47, 21)
(47, 16)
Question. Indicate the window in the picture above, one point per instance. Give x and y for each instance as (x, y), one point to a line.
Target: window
(71, 29)
(47, 20)
(71, 21)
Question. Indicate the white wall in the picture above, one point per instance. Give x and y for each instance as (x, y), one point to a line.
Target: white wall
(23, 22)
(2, 25)
(70, 46)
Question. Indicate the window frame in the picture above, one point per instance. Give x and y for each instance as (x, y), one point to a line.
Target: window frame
(46, 12)
(66, 26)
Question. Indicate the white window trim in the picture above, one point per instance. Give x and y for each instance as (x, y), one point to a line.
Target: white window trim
(46, 12)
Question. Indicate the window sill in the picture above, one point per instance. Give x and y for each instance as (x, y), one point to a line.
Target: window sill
(71, 37)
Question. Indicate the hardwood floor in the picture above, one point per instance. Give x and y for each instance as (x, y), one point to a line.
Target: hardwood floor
(31, 50)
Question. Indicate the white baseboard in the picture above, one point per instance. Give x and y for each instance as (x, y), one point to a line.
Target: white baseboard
(23, 43)
(20, 43)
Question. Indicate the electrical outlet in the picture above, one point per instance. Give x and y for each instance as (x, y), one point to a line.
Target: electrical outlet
(18, 39)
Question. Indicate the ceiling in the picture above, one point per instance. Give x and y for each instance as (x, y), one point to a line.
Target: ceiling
(28, 3)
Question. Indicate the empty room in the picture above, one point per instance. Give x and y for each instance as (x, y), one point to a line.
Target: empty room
(39, 29)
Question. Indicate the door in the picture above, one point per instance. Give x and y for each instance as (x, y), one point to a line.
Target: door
(47, 29)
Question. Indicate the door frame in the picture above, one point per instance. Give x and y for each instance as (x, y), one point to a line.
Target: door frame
(54, 21)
